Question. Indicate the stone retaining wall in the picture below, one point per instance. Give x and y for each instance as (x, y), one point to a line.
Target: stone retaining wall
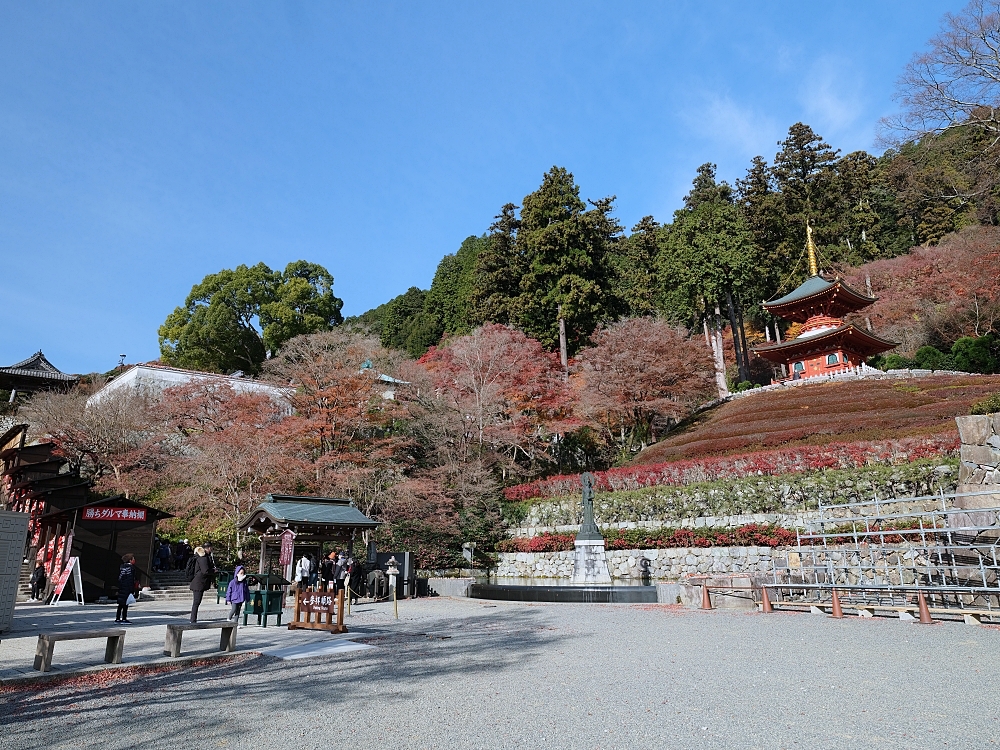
(891, 564)
(665, 564)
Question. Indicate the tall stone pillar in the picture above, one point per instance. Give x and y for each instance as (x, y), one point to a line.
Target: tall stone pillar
(979, 470)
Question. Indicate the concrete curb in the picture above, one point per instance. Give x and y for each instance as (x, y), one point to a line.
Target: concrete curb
(180, 661)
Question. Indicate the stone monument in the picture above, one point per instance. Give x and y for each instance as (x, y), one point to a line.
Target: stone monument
(590, 564)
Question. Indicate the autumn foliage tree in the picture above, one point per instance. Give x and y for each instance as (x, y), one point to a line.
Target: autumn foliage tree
(937, 294)
(113, 440)
(344, 429)
(641, 376)
(229, 450)
(503, 391)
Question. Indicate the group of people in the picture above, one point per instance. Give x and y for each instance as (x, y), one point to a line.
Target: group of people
(337, 568)
(172, 556)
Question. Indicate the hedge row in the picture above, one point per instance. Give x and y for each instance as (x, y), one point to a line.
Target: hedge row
(759, 463)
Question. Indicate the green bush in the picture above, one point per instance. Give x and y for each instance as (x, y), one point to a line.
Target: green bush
(930, 358)
(989, 405)
(896, 362)
(975, 354)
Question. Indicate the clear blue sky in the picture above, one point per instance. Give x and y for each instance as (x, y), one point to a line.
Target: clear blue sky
(146, 144)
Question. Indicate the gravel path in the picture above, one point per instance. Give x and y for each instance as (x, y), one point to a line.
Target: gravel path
(470, 674)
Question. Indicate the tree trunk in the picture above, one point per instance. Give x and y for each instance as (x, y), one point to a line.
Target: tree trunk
(743, 337)
(562, 343)
(737, 346)
(717, 353)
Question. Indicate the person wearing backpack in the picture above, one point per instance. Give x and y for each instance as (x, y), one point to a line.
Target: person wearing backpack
(201, 579)
(126, 587)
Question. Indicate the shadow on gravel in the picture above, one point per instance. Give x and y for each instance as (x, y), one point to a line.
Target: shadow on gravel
(221, 699)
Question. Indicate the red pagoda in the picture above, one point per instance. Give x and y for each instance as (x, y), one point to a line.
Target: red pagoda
(825, 344)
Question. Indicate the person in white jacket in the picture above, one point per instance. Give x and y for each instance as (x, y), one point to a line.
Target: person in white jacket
(302, 571)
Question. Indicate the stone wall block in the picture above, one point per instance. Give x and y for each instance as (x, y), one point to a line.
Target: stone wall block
(965, 471)
(984, 455)
(974, 429)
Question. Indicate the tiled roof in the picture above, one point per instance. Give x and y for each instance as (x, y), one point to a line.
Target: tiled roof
(37, 366)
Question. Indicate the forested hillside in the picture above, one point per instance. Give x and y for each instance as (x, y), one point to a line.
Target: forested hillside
(717, 257)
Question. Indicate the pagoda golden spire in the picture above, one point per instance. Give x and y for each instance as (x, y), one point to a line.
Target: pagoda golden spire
(811, 249)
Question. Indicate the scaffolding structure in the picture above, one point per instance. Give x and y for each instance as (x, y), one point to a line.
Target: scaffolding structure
(887, 553)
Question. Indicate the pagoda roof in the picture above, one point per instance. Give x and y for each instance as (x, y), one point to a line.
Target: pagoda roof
(844, 337)
(832, 297)
(34, 373)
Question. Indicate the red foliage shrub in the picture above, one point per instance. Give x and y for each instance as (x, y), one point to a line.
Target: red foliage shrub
(815, 414)
(762, 463)
(751, 535)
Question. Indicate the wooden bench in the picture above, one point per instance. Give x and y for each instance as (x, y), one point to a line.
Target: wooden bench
(47, 642)
(172, 644)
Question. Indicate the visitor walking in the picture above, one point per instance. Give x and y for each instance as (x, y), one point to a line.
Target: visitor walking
(126, 587)
(237, 593)
(37, 582)
(211, 559)
(341, 571)
(182, 553)
(199, 573)
(164, 555)
(326, 568)
(302, 571)
(354, 578)
(313, 570)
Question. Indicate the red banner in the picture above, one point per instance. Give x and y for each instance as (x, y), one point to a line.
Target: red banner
(64, 578)
(287, 547)
(101, 513)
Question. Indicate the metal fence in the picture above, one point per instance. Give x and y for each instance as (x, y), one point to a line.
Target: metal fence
(887, 552)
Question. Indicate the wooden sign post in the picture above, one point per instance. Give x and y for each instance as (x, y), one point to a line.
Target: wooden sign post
(318, 610)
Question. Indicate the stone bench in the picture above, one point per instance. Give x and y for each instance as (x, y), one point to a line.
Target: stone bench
(47, 643)
(172, 644)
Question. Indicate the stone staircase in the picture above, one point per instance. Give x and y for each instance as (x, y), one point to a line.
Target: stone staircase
(23, 586)
(170, 586)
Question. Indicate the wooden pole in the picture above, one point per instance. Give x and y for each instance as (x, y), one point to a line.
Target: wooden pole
(340, 612)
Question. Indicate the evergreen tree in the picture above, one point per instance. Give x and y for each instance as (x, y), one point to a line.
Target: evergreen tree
(234, 318)
(565, 250)
(450, 296)
(637, 283)
(804, 175)
(407, 326)
(496, 277)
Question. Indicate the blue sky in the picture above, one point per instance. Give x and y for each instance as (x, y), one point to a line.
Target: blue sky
(144, 145)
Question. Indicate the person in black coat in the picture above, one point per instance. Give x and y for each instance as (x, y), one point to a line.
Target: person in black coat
(126, 586)
(201, 580)
(37, 582)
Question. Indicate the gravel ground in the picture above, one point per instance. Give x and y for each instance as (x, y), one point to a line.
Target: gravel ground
(470, 674)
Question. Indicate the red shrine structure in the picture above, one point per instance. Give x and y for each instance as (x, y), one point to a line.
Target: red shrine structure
(825, 344)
